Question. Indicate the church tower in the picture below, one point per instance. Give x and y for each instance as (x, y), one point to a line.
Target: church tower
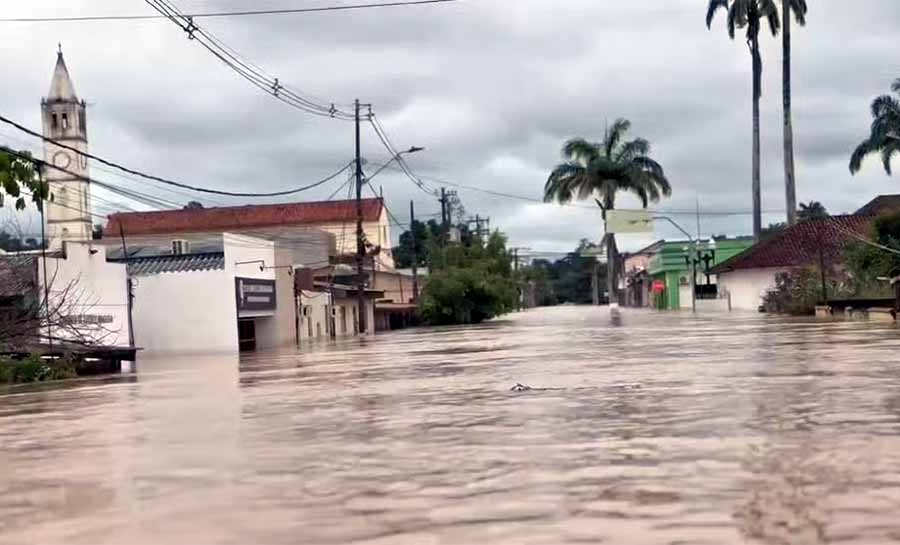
(69, 209)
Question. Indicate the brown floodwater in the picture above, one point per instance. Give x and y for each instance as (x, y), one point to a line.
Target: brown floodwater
(661, 428)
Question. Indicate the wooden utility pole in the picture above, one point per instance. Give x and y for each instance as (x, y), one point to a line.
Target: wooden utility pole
(360, 236)
(44, 243)
(415, 255)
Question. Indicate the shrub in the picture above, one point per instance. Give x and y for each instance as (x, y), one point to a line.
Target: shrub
(35, 369)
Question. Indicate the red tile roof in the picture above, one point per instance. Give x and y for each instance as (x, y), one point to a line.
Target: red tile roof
(800, 245)
(236, 218)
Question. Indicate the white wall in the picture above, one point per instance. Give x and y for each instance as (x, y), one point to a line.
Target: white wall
(318, 318)
(186, 312)
(280, 330)
(91, 286)
(747, 287)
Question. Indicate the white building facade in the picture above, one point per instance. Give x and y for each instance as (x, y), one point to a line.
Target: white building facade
(215, 302)
(87, 295)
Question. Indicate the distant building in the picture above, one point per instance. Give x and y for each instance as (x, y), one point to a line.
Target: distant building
(225, 299)
(65, 121)
(669, 272)
(638, 289)
(85, 296)
(747, 277)
(316, 231)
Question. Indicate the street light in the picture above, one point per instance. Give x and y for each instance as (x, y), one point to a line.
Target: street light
(413, 149)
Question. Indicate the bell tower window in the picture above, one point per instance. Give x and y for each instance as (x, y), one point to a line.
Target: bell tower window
(65, 121)
(54, 121)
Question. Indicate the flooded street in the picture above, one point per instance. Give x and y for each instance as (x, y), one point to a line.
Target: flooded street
(663, 429)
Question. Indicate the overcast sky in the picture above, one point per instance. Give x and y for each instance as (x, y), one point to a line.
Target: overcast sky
(492, 88)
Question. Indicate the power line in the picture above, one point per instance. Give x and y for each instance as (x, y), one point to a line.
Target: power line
(88, 18)
(157, 178)
(269, 84)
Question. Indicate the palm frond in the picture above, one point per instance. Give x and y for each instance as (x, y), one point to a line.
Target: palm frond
(714, 6)
(895, 87)
(562, 180)
(633, 149)
(614, 135)
(799, 9)
(859, 154)
(580, 151)
(887, 153)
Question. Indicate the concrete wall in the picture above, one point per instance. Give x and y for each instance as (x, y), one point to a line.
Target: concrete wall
(377, 232)
(315, 325)
(186, 312)
(747, 287)
(397, 287)
(91, 287)
(280, 331)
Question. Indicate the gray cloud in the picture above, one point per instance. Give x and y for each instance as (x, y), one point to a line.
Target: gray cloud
(491, 87)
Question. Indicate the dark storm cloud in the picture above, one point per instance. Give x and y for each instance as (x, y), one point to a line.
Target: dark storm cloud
(491, 87)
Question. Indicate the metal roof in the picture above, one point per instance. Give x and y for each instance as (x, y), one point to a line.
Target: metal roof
(144, 266)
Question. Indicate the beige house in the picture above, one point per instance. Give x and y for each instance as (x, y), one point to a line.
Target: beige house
(315, 231)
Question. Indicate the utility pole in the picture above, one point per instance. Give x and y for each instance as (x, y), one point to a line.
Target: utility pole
(443, 201)
(415, 255)
(360, 236)
(519, 288)
(44, 243)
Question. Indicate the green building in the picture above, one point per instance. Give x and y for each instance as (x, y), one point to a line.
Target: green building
(670, 273)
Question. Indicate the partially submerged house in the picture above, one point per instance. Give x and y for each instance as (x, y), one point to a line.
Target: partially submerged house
(748, 276)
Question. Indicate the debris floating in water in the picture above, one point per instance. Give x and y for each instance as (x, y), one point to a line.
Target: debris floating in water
(520, 388)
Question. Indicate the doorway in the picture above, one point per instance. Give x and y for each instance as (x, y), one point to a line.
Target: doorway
(246, 335)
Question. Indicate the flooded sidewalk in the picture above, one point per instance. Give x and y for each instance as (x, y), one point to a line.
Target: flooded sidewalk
(662, 428)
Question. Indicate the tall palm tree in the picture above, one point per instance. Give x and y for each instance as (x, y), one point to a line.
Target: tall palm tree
(798, 8)
(885, 137)
(750, 14)
(603, 169)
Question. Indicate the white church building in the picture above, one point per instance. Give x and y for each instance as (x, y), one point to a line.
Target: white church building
(65, 121)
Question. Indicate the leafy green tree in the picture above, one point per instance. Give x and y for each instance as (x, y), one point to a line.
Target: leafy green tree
(469, 284)
(798, 9)
(750, 15)
(868, 263)
(812, 211)
(19, 179)
(416, 241)
(194, 205)
(885, 133)
(602, 170)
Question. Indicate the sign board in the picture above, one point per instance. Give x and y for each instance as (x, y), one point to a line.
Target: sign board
(629, 221)
(254, 294)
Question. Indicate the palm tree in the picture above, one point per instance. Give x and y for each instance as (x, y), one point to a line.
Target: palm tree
(750, 14)
(798, 8)
(812, 211)
(603, 169)
(885, 137)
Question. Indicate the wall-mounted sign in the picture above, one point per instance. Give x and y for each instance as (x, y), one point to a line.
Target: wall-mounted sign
(629, 221)
(255, 294)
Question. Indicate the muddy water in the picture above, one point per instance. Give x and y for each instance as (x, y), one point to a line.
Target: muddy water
(661, 429)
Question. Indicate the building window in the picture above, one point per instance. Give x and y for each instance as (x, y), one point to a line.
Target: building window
(65, 121)
(54, 121)
(63, 197)
(82, 123)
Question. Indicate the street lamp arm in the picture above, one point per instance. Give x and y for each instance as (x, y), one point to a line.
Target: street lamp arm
(690, 238)
(414, 149)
